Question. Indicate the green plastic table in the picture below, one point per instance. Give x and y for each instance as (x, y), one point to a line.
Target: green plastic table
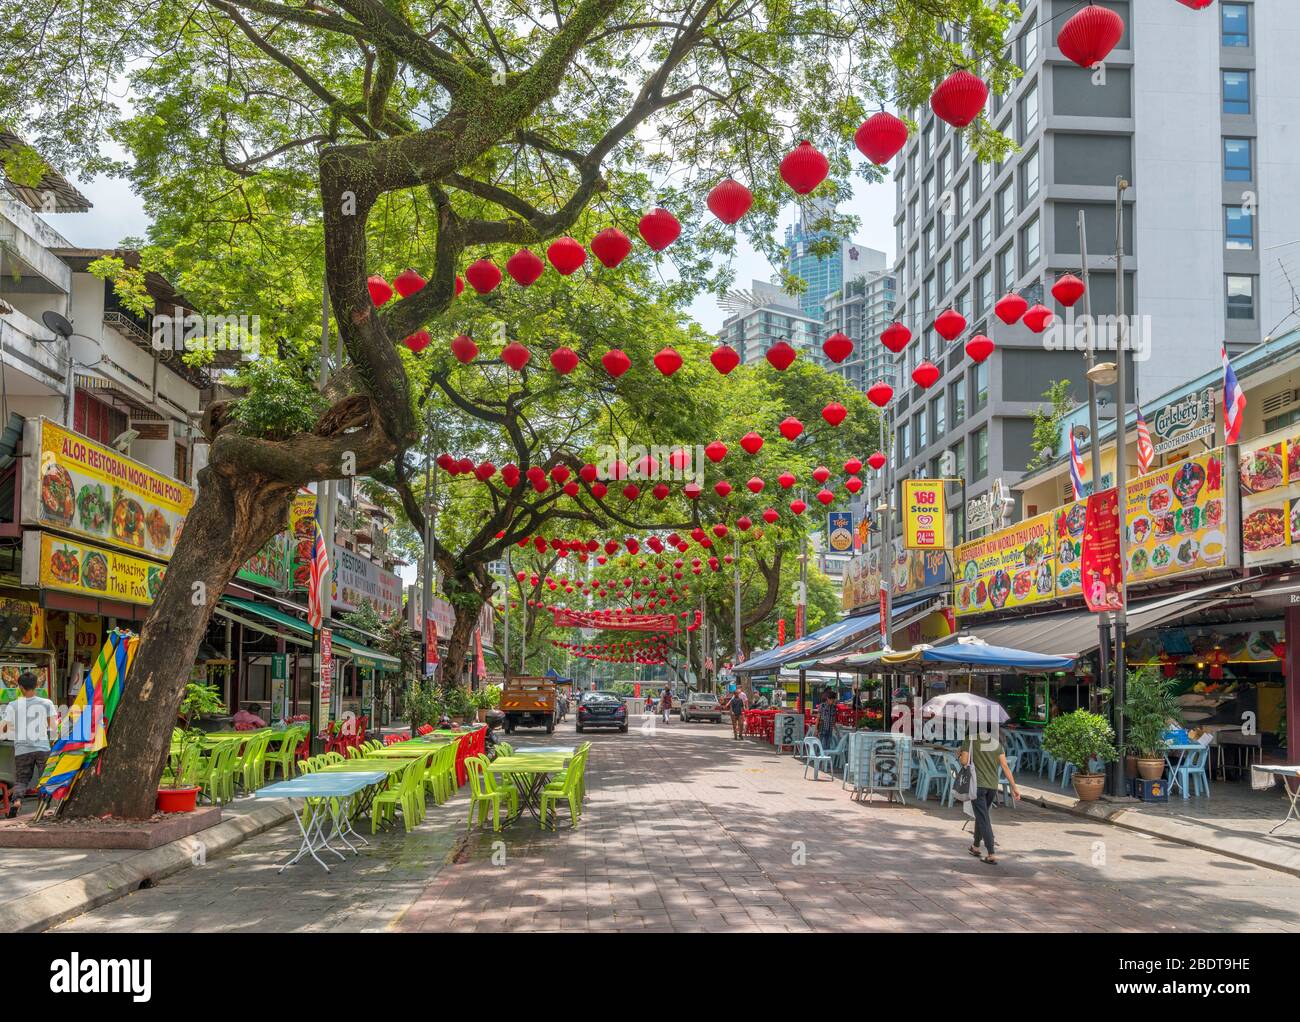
(405, 750)
(529, 773)
(388, 767)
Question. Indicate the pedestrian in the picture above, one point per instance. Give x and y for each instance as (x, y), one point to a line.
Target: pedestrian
(30, 720)
(986, 753)
(737, 707)
(666, 703)
(826, 719)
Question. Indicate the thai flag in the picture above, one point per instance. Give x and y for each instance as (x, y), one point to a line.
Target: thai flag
(1076, 467)
(319, 571)
(1145, 451)
(1234, 401)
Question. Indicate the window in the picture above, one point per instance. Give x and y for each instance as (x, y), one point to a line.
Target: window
(1236, 159)
(1235, 22)
(980, 452)
(182, 463)
(1029, 244)
(957, 401)
(901, 433)
(929, 294)
(918, 427)
(986, 176)
(984, 231)
(1029, 112)
(959, 460)
(962, 304)
(1236, 92)
(927, 140)
(1029, 176)
(92, 418)
(983, 293)
(1007, 268)
(1238, 229)
(961, 254)
(1006, 205)
(980, 385)
(1029, 44)
(929, 243)
(1241, 297)
(937, 424)
(945, 275)
(927, 192)
(963, 197)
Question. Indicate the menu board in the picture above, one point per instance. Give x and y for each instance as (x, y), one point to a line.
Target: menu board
(52, 562)
(1069, 521)
(83, 488)
(1009, 568)
(1177, 520)
(270, 565)
(302, 515)
(913, 571)
(1270, 499)
(22, 623)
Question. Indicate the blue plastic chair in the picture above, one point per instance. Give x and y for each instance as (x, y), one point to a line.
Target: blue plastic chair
(814, 756)
(1031, 749)
(1192, 773)
(1049, 764)
(839, 752)
(1095, 766)
(1004, 785)
(932, 771)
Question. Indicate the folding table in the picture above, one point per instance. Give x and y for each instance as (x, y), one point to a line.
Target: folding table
(333, 790)
(529, 772)
(1290, 784)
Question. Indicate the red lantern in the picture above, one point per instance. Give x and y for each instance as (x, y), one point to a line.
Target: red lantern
(781, 355)
(560, 473)
(825, 496)
(880, 394)
(895, 337)
(853, 484)
(949, 324)
(659, 228)
(729, 200)
(611, 246)
(959, 98)
(852, 467)
(755, 485)
(715, 451)
(1068, 288)
(724, 358)
(408, 282)
(837, 347)
(798, 506)
(510, 475)
(379, 289)
(821, 473)
(631, 491)
(804, 168)
(743, 523)
(616, 362)
(880, 137)
(417, 341)
(572, 489)
(770, 515)
(515, 355)
(668, 361)
(786, 479)
(1089, 36)
(598, 490)
(692, 491)
(564, 361)
(460, 284)
(1010, 307)
(1196, 5)
(525, 267)
(790, 427)
(483, 275)
(566, 255)
(925, 375)
(876, 460)
(463, 348)
(587, 474)
(834, 413)
(751, 442)
(722, 487)
(979, 347)
(1037, 318)
(720, 531)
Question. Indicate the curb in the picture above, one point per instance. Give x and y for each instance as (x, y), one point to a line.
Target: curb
(1244, 849)
(62, 901)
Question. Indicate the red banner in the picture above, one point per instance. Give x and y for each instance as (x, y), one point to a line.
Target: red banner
(614, 620)
(780, 631)
(1100, 562)
(430, 644)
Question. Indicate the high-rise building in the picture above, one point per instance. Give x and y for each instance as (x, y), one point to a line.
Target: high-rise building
(1197, 111)
(860, 310)
(806, 241)
(764, 315)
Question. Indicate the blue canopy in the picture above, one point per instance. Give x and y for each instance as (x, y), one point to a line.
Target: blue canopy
(847, 630)
(982, 656)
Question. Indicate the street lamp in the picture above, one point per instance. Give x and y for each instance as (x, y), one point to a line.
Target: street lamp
(1103, 374)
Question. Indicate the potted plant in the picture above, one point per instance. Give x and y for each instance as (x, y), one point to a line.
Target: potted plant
(199, 701)
(1149, 708)
(484, 700)
(1080, 738)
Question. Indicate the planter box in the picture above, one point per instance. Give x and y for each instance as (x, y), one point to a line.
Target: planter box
(1150, 791)
(134, 834)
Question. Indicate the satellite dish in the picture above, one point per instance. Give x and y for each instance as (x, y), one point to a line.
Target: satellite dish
(57, 323)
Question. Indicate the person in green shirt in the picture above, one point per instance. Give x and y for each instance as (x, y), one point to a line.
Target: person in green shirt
(986, 753)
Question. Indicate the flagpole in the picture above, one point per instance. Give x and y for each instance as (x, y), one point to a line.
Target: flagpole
(1121, 422)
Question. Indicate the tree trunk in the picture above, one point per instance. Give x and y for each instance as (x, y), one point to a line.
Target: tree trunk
(458, 646)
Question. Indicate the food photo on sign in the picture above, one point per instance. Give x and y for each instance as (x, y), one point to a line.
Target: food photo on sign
(1008, 568)
(1177, 518)
(1270, 499)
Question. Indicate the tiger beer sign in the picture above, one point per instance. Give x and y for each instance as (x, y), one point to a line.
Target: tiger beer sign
(923, 515)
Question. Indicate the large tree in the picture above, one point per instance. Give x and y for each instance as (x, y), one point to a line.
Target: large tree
(450, 114)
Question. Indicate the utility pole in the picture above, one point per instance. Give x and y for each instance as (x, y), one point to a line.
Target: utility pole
(1121, 419)
(505, 613)
(735, 553)
(320, 702)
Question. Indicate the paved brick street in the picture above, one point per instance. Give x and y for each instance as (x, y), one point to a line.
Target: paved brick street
(687, 830)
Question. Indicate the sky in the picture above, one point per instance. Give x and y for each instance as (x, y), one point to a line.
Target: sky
(118, 213)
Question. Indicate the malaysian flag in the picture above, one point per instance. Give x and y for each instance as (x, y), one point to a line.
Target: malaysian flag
(320, 571)
(1234, 401)
(1076, 467)
(1145, 451)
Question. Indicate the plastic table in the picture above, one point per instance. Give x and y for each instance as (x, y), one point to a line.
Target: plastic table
(529, 773)
(1288, 774)
(1182, 749)
(332, 790)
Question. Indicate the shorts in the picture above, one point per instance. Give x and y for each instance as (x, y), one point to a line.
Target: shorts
(27, 771)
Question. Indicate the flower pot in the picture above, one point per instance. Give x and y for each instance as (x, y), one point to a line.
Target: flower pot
(177, 800)
(1151, 768)
(1088, 786)
(481, 714)
(1130, 766)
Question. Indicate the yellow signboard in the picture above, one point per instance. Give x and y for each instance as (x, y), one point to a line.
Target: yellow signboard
(1177, 519)
(923, 515)
(52, 562)
(1009, 568)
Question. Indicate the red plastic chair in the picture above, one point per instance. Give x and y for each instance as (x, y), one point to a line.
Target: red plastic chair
(425, 729)
(4, 799)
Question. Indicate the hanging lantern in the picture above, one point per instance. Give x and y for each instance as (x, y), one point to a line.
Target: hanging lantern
(781, 355)
(949, 324)
(380, 290)
(837, 347)
(560, 473)
(743, 523)
(678, 458)
(853, 484)
(786, 479)
(483, 275)
(724, 358)
(1068, 288)
(460, 284)
(417, 341)
(729, 200)
(720, 531)
(631, 491)
(1037, 317)
(667, 361)
(598, 490)
(834, 413)
(770, 515)
(1090, 34)
(722, 487)
(1010, 307)
(825, 496)
(616, 362)
(979, 347)
(959, 98)
(408, 282)
(715, 451)
(804, 168)
(566, 255)
(659, 228)
(798, 506)
(692, 491)
(564, 361)
(880, 394)
(525, 267)
(515, 355)
(925, 375)
(1196, 5)
(852, 467)
(572, 489)
(611, 246)
(895, 337)
(510, 475)
(588, 474)
(755, 485)
(821, 473)
(880, 137)
(751, 442)
(660, 492)
(790, 427)
(876, 460)
(463, 348)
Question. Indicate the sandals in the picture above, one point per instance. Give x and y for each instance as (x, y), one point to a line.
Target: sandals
(974, 851)
(992, 860)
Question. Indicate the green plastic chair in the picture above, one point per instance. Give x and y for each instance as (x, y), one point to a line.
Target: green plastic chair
(505, 749)
(569, 790)
(407, 795)
(354, 752)
(253, 763)
(481, 795)
(217, 775)
(333, 757)
(282, 755)
(505, 787)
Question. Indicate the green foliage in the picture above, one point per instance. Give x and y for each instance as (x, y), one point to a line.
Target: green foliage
(277, 403)
(1149, 706)
(486, 698)
(1047, 422)
(198, 701)
(423, 703)
(1079, 737)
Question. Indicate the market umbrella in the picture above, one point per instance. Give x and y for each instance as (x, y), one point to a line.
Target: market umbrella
(967, 705)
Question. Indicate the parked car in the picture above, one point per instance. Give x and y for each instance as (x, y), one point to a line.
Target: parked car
(602, 709)
(701, 706)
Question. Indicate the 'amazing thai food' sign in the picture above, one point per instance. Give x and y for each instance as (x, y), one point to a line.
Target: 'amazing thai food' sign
(1179, 519)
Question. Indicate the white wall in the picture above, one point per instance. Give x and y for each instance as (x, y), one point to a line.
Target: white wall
(1277, 104)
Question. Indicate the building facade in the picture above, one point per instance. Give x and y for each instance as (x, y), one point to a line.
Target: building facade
(824, 261)
(764, 315)
(860, 310)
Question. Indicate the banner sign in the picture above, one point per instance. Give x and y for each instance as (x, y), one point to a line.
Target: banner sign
(326, 674)
(839, 531)
(913, 571)
(357, 579)
(1070, 519)
(923, 515)
(269, 566)
(88, 490)
(1270, 499)
(1100, 558)
(1178, 520)
(22, 623)
(1183, 422)
(1008, 568)
(430, 644)
(302, 515)
(51, 562)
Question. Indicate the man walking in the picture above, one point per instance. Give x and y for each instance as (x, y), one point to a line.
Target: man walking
(737, 707)
(986, 752)
(30, 721)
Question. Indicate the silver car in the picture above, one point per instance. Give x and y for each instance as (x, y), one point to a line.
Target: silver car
(701, 706)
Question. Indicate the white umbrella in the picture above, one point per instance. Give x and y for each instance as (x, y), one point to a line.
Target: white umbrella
(966, 705)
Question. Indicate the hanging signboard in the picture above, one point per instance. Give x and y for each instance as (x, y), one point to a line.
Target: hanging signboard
(1008, 568)
(1270, 499)
(1178, 520)
(839, 531)
(430, 645)
(269, 566)
(22, 623)
(1184, 422)
(1101, 567)
(1069, 524)
(923, 515)
(912, 571)
(357, 579)
(51, 562)
(326, 690)
(302, 531)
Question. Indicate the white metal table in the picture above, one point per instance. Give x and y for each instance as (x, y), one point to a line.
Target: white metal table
(329, 791)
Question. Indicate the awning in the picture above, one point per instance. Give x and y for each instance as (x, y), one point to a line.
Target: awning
(842, 632)
(846, 655)
(1075, 632)
(295, 630)
(976, 656)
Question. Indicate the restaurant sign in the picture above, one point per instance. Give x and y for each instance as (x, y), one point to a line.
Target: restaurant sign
(1178, 520)
(52, 562)
(1270, 499)
(357, 579)
(269, 566)
(912, 571)
(1009, 568)
(1176, 425)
